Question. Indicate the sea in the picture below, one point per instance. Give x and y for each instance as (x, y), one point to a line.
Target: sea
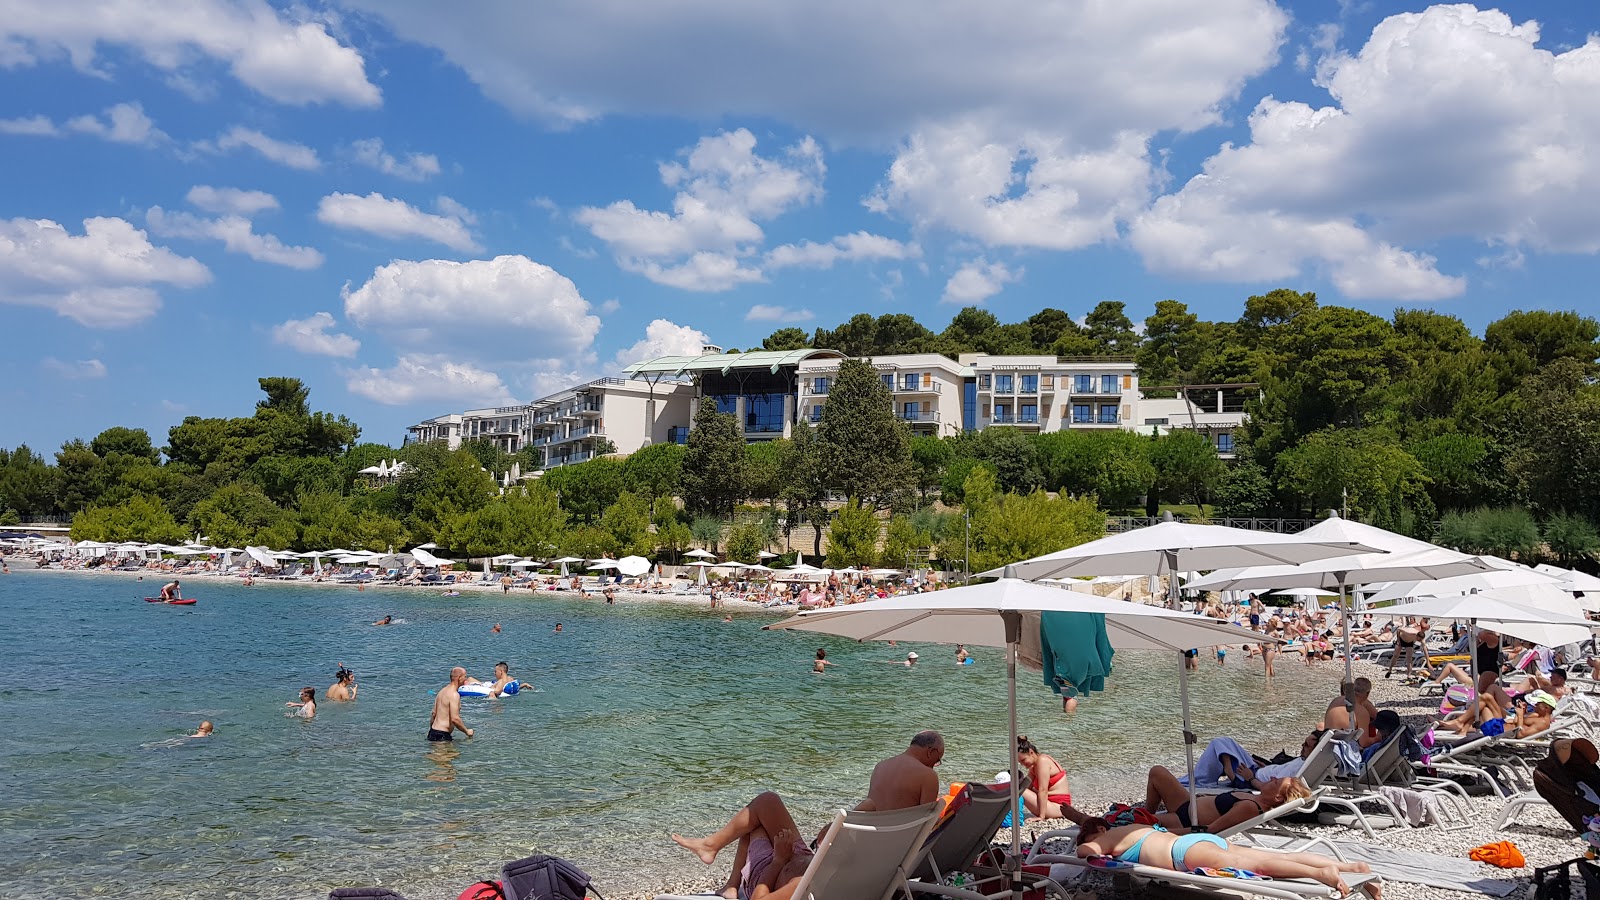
(641, 719)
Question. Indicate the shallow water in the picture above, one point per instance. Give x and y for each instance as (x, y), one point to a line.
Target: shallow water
(646, 718)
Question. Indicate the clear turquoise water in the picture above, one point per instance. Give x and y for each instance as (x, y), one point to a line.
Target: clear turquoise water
(647, 719)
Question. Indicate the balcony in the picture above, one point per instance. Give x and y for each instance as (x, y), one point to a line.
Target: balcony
(1024, 418)
(919, 417)
(810, 389)
(589, 409)
(932, 387)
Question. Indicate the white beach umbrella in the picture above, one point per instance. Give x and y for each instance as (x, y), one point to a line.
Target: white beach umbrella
(504, 558)
(883, 573)
(700, 567)
(766, 554)
(428, 546)
(701, 554)
(563, 561)
(602, 564)
(632, 566)
(751, 567)
(1487, 580)
(1575, 580)
(993, 615)
(428, 560)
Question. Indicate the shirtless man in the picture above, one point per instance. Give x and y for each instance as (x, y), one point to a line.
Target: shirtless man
(386, 620)
(1555, 685)
(772, 856)
(172, 592)
(447, 709)
(502, 677)
(1338, 714)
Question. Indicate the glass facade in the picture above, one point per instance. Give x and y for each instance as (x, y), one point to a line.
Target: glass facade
(1083, 384)
(969, 406)
(1002, 384)
(1082, 414)
(1225, 442)
(1028, 413)
(763, 413)
(726, 403)
(1108, 384)
(1108, 414)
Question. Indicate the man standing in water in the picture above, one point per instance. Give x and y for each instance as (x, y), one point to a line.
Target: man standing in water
(447, 709)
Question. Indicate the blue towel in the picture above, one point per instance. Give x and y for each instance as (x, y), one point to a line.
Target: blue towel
(1208, 768)
(1076, 652)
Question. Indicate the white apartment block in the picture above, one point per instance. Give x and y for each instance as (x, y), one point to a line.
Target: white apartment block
(1048, 393)
(924, 388)
(1213, 410)
(445, 428)
(568, 427)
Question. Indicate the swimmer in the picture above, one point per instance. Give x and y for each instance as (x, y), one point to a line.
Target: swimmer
(386, 620)
(727, 618)
(306, 707)
(821, 664)
(558, 628)
(171, 592)
(502, 677)
(909, 662)
(447, 709)
(204, 730)
(344, 685)
(962, 655)
(496, 628)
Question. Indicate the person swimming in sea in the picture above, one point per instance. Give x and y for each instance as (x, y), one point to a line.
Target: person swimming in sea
(558, 628)
(386, 620)
(204, 730)
(821, 664)
(344, 685)
(306, 706)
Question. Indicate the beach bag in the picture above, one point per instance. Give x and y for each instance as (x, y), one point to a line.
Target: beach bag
(542, 877)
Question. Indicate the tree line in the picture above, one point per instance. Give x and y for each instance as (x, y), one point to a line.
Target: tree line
(1413, 423)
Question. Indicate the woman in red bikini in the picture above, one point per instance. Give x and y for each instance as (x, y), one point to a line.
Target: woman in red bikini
(1042, 769)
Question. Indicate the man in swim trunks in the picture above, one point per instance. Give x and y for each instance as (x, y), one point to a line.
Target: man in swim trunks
(447, 709)
(172, 592)
(1154, 846)
(386, 620)
(1407, 639)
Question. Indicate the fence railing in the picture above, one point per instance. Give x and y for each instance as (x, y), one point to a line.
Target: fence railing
(1277, 526)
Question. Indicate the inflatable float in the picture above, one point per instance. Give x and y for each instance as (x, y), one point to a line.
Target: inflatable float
(187, 601)
(484, 688)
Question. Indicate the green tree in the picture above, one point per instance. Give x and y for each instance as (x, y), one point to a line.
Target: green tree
(1245, 491)
(1553, 457)
(1330, 366)
(456, 487)
(1571, 538)
(1172, 346)
(929, 456)
(656, 470)
(1364, 469)
(853, 536)
(1109, 327)
(1526, 341)
(1187, 467)
(27, 483)
(864, 449)
(713, 475)
(745, 542)
(628, 520)
(239, 514)
(127, 441)
(786, 339)
(1454, 464)
(673, 537)
(1111, 465)
(1008, 528)
(707, 531)
(325, 520)
(764, 474)
(140, 518)
(587, 488)
(1012, 457)
(902, 544)
(805, 489)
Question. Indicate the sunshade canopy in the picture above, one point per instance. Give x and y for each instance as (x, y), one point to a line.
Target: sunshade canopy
(1338, 571)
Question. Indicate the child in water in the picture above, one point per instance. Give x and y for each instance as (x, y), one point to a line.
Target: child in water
(821, 665)
(204, 730)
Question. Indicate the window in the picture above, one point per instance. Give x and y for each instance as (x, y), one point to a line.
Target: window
(1108, 414)
(1108, 384)
(816, 413)
(1160, 421)
(911, 411)
(1002, 384)
(1081, 414)
(763, 413)
(910, 382)
(726, 403)
(1225, 442)
(1030, 384)
(1002, 413)
(1028, 413)
(819, 385)
(888, 381)
(1083, 384)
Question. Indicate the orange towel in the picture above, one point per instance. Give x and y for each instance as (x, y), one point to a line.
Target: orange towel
(1500, 853)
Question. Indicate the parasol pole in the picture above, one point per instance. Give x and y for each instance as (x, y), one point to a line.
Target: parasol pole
(1013, 622)
(1183, 678)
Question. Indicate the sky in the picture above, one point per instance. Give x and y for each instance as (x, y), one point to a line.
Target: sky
(420, 207)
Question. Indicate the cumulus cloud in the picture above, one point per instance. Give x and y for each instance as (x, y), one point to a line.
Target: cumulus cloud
(854, 247)
(74, 371)
(858, 69)
(414, 167)
(977, 281)
(311, 335)
(236, 233)
(417, 377)
(662, 338)
(286, 153)
(296, 62)
(763, 313)
(124, 123)
(230, 201)
(724, 190)
(106, 277)
(502, 310)
(1362, 188)
(390, 218)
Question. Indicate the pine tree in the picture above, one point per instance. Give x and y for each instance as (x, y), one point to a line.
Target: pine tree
(865, 450)
(713, 466)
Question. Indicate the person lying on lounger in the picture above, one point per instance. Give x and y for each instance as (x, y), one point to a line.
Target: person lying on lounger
(1217, 812)
(1154, 846)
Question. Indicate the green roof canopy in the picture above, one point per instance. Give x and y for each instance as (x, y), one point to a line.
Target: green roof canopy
(771, 360)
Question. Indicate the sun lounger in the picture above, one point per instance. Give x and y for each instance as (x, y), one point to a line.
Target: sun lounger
(864, 855)
(1276, 888)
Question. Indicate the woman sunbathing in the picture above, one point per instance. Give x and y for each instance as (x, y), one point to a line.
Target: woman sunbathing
(1154, 846)
(1217, 812)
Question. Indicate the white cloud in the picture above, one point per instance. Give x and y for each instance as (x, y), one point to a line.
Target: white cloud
(236, 233)
(104, 278)
(230, 201)
(859, 69)
(289, 61)
(763, 313)
(503, 310)
(31, 126)
(662, 338)
(78, 370)
(311, 335)
(414, 167)
(1449, 124)
(724, 189)
(417, 377)
(287, 153)
(124, 123)
(610, 306)
(855, 247)
(386, 217)
(977, 281)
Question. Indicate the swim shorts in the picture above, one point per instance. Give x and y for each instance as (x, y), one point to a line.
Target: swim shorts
(435, 734)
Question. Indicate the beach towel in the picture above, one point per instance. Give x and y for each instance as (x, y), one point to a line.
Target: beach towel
(1075, 652)
(1500, 853)
(1418, 806)
(1208, 768)
(1348, 757)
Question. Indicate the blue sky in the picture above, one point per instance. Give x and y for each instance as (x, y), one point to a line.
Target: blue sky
(421, 207)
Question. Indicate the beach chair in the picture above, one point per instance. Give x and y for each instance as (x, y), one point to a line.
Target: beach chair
(863, 856)
(1276, 888)
(1320, 773)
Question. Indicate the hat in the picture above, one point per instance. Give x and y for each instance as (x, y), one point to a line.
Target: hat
(1542, 697)
(912, 655)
